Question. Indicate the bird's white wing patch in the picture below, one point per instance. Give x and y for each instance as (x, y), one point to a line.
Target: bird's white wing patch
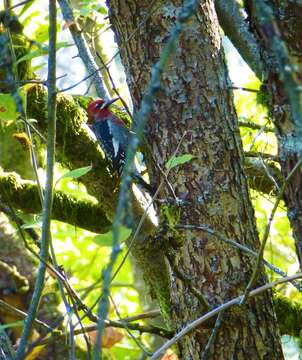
(116, 146)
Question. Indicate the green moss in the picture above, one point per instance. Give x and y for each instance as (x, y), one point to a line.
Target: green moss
(289, 314)
(169, 217)
(24, 195)
(21, 47)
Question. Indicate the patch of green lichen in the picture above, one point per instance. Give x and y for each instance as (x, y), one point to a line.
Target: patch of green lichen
(163, 296)
(289, 314)
(264, 97)
(169, 217)
(84, 213)
(16, 193)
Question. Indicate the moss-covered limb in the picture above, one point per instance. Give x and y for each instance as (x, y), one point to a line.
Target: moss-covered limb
(258, 175)
(289, 314)
(23, 195)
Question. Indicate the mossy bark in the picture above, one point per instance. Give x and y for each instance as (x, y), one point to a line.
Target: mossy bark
(23, 195)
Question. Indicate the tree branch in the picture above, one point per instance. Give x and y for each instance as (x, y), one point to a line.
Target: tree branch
(258, 178)
(23, 195)
(83, 49)
(236, 28)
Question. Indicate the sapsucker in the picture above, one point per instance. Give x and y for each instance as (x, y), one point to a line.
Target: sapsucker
(113, 137)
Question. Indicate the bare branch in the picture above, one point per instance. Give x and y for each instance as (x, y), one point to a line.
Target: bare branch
(236, 28)
(83, 49)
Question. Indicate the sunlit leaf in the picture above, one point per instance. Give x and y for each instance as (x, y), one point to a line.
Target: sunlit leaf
(29, 18)
(76, 173)
(33, 54)
(26, 7)
(11, 325)
(34, 224)
(179, 160)
(107, 238)
(8, 109)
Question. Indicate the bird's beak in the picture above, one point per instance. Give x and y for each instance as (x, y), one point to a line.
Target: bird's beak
(108, 103)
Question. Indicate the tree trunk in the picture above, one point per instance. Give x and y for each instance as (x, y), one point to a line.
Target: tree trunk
(195, 99)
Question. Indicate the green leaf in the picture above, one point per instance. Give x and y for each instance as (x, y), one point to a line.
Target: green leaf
(63, 44)
(8, 109)
(11, 325)
(179, 160)
(102, 9)
(37, 67)
(26, 7)
(41, 34)
(107, 238)
(34, 224)
(41, 51)
(29, 19)
(76, 173)
(33, 54)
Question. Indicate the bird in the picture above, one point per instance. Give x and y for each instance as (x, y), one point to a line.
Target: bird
(113, 136)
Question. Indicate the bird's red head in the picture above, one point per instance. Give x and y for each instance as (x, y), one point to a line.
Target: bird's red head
(99, 109)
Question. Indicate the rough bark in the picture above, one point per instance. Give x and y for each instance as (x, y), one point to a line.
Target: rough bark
(288, 27)
(195, 98)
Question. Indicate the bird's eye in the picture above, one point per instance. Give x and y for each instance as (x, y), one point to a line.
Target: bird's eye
(98, 106)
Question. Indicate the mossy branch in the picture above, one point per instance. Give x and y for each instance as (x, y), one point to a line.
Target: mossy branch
(23, 195)
(289, 314)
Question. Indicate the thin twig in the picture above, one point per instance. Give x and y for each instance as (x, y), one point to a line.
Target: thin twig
(83, 49)
(153, 330)
(19, 4)
(47, 204)
(244, 89)
(255, 126)
(138, 343)
(146, 315)
(19, 314)
(114, 88)
(261, 155)
(236, 301)
(206, 352)
(269, 175)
